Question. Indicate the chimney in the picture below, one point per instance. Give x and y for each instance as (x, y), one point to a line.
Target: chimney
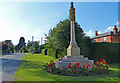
(115, 30)
(96, 33)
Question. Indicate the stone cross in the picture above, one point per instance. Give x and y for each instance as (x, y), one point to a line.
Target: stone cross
(73, 49)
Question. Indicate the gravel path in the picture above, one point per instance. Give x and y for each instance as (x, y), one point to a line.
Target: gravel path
(9, 65)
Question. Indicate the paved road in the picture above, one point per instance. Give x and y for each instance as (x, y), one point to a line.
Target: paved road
(9, 65)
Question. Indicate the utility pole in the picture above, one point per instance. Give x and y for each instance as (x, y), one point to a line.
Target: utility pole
(32, 44)
(41, 40)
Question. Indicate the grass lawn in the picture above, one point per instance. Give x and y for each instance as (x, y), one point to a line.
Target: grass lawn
(31, 69)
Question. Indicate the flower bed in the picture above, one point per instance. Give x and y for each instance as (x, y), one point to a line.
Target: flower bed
(100, 67)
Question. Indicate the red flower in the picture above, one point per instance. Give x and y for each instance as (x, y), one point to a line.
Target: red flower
(83, 66)
(101, 60)
(107, 64)
(104, 62)
(48, 65)
(44, 65)
(69, 63)
(86, 66)
(69, 66)
(100, 69)
(77, 64)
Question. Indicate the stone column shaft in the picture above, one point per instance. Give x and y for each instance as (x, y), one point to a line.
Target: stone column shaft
(72, 31)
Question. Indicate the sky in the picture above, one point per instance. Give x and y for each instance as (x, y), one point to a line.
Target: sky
(27, 19)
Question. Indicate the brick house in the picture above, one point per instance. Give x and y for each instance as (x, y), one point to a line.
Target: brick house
(113, 36)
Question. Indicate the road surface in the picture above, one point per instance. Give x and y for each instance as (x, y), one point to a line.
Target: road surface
(9, 65)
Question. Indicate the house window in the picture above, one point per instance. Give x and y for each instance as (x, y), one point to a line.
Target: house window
(105, 39)
(94, 40)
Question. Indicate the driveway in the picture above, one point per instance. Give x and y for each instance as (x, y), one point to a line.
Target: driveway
(9, 65)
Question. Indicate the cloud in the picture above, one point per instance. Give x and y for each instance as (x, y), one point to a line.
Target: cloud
(118, 23)
(90, 33)
(109, 29)
(99, 32)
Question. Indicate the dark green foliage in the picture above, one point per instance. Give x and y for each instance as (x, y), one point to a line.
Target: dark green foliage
(51, 52)
(7, 47)
(107, 51)
(4, 49)
(21, 43)
(41, 47)
(36, 48)
(23, 49)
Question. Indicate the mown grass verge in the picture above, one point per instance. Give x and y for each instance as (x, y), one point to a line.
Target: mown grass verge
(31, 69)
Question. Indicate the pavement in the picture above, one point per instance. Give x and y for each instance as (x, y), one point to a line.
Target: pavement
(8, 65)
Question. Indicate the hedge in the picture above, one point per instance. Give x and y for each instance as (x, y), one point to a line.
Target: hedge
(94, 51)
(105, 50)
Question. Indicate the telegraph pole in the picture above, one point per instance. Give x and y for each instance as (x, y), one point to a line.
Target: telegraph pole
(41, 40)
(32, 44)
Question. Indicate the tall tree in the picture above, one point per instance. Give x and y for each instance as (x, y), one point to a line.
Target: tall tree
(21, 43)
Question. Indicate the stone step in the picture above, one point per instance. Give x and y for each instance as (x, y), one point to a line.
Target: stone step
(74, 59)
(62, 64)
(78, 56)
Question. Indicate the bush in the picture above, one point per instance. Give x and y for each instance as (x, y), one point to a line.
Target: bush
(51, 52)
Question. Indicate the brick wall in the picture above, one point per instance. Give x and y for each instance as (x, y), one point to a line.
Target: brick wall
(108, 39)
(115, 38)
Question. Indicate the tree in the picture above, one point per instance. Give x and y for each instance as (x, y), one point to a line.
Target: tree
(4, 47)
(59, 37)
(7, 46)
(21, 43)
(36, 48)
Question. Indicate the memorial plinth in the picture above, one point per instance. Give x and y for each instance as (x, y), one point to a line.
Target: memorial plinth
(73, 51)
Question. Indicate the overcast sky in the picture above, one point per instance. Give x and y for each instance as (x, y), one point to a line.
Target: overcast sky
(27, 19)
